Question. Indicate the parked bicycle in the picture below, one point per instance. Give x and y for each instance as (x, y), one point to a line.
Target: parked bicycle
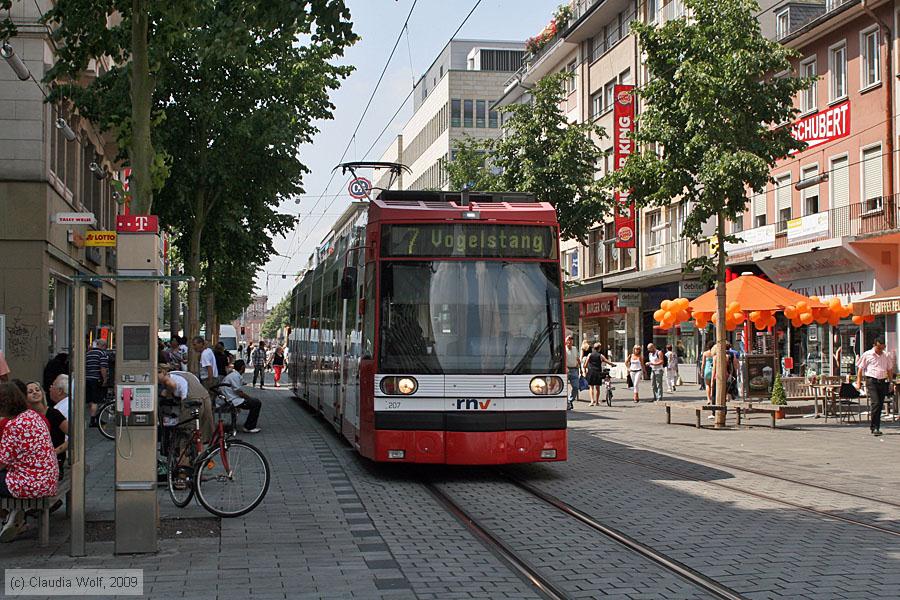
(107, 419)
(229, 476)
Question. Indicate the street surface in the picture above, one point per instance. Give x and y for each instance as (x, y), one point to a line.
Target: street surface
(337, 526)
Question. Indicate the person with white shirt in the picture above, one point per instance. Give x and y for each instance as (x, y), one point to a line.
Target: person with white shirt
(876, 368)
(232, 387)
(209, 372)
(59, 394)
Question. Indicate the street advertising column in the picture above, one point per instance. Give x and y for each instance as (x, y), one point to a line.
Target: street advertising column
(623, 146)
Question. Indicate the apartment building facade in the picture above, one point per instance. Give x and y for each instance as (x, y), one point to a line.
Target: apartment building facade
(42, 175)
(451, 100)
(829, 226)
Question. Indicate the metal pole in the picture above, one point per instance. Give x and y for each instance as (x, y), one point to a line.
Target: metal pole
(76, 422)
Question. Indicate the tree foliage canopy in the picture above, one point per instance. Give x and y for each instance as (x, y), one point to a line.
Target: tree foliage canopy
(277, 318)
(543, 153)
(714, 108)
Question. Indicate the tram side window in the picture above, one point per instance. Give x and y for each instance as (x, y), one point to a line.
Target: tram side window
(369, 319)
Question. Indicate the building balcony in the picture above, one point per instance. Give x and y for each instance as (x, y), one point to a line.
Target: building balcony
(673, 254)
(871, 218)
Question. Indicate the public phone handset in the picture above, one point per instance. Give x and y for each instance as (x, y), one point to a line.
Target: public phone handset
(136, 403)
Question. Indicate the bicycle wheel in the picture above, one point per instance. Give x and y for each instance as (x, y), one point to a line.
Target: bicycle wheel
(240, 488)
(180, 468)
(106, 420)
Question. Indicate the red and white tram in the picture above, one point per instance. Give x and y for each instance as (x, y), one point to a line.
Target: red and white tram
(429, 329)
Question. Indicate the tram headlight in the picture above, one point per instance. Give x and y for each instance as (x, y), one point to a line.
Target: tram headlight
(399, 386)
(406, 385)
(546, 386)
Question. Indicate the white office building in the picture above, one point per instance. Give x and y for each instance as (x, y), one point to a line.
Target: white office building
(451, 100)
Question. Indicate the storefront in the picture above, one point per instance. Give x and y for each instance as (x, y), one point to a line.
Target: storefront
(603, 320)
(822, 349)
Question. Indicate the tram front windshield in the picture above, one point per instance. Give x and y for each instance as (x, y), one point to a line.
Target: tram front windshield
(470, 317)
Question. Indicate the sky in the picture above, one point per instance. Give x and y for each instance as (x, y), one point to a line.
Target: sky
(378, 22)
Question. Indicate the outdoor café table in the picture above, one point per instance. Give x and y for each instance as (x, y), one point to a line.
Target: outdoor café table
(820, 390)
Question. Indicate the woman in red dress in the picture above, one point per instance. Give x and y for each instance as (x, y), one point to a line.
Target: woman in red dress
(28, 467)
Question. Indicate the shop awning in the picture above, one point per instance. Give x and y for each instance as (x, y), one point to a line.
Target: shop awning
(753, 293)
(882, 303)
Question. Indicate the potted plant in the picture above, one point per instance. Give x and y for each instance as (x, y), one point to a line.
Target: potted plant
(778, 396)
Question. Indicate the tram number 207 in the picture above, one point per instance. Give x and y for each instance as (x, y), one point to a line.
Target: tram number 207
(393, 405)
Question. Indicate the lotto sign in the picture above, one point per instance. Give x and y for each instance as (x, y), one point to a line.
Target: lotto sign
(623, 146)
(100, 238)
(359, 188)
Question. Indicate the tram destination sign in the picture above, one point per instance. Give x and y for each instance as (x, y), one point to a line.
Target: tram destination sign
(464, 240)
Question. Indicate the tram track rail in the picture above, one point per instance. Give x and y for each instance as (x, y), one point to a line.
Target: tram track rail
(758, 495)
(542, 584)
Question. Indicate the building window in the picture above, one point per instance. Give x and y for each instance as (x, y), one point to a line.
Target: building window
(467, 113)
(654, 230)
(758, 205)
(837, 64)
(501, 60)
(783, 201)
(424, 89)
(455, 113)
(625, 77)
(595, 252)
(737, 225)
(782, 23)
(571, 264)
(840, 183)
(871, 178)
(871, 58)
(442, 71)
(627, 17)
(493, 117)
(612, 33)
(571, 80)
(596, 103)
(810, 194)
(652, 9)
(480, 113)
(808, 102)
(609, 95)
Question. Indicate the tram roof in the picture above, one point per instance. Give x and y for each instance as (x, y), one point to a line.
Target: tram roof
(413, 204)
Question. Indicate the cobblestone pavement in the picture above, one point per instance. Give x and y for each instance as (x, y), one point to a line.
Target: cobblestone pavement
(337, 526)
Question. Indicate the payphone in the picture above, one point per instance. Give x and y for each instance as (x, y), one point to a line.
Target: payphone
(137, 506)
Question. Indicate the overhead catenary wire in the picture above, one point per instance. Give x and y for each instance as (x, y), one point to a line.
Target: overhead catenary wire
(458, 29)
(359, 122)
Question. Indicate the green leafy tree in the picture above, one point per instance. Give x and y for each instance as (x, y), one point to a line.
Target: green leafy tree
(236, 108)
(716, 109)
(543, 153)
(468, 169)
(277, 318)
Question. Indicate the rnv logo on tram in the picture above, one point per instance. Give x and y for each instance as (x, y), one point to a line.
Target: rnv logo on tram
(472, 404)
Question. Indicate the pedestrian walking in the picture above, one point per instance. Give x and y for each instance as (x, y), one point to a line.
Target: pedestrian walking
(636, 369)
(671, 362)
(657, 366)
(95, 375)
(278, 363)
(707, 369)
(259, 364)
(573, 370)
(876, 368)
(595, 362)
(209, 371)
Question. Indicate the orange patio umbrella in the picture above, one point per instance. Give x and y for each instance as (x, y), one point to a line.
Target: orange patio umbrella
(753, 293)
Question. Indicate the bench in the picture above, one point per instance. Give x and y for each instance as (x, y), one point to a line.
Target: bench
(797, 389)
(42, 504)
(695, 406)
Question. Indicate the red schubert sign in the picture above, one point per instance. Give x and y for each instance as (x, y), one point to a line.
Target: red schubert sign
(623, 146)
(824, 126)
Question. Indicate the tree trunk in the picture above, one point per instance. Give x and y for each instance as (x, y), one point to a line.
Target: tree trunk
(721, 305)
(174, 307)
(141, 101)
(212, 329)
(193, 269)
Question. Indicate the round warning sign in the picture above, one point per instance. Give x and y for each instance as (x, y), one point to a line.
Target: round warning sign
(359, 188)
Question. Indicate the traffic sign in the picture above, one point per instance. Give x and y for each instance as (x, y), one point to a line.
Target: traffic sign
(359, 188)
(100, 238)
(137, 224)
(73, 218)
